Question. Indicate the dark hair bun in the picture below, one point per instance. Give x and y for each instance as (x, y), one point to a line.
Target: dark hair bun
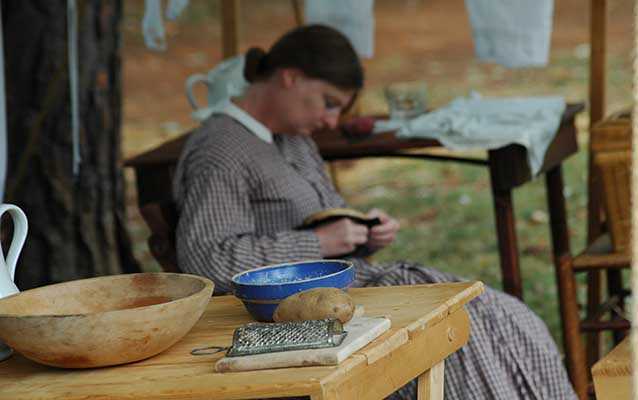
(254, 64)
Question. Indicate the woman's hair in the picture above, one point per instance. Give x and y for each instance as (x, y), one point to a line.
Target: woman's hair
(318, 51)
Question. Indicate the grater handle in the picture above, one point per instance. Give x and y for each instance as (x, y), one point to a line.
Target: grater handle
(208, 350)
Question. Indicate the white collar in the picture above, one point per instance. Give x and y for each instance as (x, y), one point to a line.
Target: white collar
(229, 108)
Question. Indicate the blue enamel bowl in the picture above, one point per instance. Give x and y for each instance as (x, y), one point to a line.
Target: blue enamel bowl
(262, 289)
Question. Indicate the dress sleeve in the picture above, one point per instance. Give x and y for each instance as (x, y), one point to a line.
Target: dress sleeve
(216, 234)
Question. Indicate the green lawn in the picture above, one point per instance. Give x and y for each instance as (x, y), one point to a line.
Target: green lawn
(447, 220)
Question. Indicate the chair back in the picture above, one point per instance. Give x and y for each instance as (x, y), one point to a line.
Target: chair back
(611, 147)
(161, 218)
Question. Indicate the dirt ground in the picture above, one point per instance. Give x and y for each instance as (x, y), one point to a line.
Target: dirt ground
(414, 39)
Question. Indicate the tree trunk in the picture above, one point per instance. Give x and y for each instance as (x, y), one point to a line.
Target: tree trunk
(77, 224)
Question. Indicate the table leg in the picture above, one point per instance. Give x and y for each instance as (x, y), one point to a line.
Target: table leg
(507, 244)
(566, 282)
(431, 383)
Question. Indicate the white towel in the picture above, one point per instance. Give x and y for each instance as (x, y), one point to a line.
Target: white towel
(153, 23)
(474, 122)
(353, 18)
(153, 26)
(513, 33)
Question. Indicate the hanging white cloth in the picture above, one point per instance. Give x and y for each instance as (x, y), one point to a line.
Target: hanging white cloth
(153, 23)
(353, 18)
(513, 33)
(474, 122)
(3, 118)
(175, 8)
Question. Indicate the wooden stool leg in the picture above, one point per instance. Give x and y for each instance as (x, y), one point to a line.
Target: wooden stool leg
(594, 299)
(572, 341)
(431, 383)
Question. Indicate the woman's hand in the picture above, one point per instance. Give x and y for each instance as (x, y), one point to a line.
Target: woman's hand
(383, 234)
(341, 237)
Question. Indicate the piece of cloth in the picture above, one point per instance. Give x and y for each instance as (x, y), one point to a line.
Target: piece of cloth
(513, 33)
(153, 23)
(353, 18)
(175, 8)
(240, 201)
(153, 26)
(474, 122)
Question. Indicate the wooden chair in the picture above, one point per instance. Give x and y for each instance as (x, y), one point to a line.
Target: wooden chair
(606, 255)
(161, 218)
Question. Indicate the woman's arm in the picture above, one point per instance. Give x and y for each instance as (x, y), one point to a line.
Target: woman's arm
(216, 234)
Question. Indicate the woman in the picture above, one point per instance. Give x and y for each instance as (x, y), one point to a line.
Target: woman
(250, 174)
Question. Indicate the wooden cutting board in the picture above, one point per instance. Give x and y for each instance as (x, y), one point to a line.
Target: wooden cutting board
(361, 331)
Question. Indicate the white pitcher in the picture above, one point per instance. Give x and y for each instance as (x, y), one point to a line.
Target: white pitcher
(224, 81)
(8, 265)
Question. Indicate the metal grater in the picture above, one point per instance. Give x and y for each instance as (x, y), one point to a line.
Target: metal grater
(284, 336)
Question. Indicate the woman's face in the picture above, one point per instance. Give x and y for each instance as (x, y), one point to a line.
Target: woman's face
(309, 105)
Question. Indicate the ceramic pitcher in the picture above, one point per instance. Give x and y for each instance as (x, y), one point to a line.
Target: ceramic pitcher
(222, 82)
(8, 264)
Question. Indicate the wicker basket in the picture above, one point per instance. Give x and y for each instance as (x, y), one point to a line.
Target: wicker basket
(615, 172)
(611, 147)
(612, 133)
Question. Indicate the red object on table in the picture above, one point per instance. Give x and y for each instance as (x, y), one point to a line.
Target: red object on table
(358, 126)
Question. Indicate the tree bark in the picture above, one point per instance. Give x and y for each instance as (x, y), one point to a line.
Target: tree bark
(77, 224)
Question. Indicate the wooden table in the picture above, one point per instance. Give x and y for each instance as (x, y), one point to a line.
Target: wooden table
(508, 168)
(613, 373)
(429, 323)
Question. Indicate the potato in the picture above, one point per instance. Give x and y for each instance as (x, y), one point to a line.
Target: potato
(317, 303)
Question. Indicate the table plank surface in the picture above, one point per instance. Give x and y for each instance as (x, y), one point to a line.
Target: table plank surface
(613, 373)
(428, 323)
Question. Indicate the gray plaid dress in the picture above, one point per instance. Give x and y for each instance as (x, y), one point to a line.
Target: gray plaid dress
(240, 200)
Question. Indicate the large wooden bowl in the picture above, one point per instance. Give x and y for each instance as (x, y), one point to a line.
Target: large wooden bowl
(103, 321)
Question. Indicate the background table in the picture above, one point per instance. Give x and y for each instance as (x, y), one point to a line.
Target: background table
(429, 323)
(508, 168)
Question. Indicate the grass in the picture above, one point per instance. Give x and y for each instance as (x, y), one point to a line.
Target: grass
(447, 220)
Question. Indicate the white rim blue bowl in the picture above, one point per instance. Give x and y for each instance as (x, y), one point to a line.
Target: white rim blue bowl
(262, 289)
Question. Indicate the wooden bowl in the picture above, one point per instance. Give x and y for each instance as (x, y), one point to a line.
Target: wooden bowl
(103, 321)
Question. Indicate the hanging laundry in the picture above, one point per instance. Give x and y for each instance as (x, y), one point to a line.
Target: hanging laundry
(513, 33)
(153, 24)
(175, 8)
(353, 18)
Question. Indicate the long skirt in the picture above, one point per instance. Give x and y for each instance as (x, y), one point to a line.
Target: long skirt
(509, 355)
